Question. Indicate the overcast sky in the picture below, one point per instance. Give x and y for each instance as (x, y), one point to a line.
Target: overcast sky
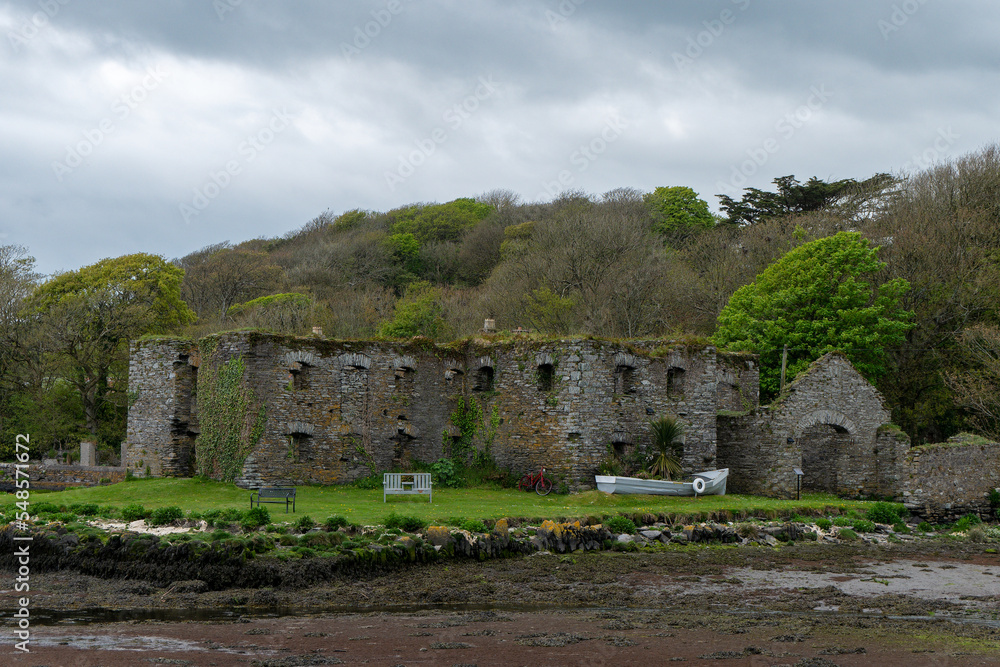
(165, 126)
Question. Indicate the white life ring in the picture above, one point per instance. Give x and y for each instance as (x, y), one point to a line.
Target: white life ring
(699, 485)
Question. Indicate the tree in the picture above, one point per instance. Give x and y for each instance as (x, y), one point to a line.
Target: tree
(89, 316)
(418, 313)
(291, 313)
(977, 387)
(794, 197)
(440, 222)
(678, 212)
(220, 276)
(815, 300)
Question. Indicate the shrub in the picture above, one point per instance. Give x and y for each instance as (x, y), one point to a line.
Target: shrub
(316, 540)
(977, 534)
(925, 527)
(255, 517)
(221, 535)
(445, 473)
(842, 521)
(621, 525)
(824, 523)
(847, 534)
(45, 507)
(84, 509)
(231, 514)
(474, 526)
(305, 524)
(336, 521)
(863, 526)
(883, 512)
(164, 515)
(901, 527)
(747, 530)
(410, 524)
(967, 522)
(134, 512)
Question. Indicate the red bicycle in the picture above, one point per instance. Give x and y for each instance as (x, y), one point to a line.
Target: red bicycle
(540, 483)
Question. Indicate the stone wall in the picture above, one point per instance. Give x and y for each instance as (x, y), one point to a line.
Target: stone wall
(162, 418)
(336, 410)
(738, 387)
(943, 482)
(59, 477)
(826, 423)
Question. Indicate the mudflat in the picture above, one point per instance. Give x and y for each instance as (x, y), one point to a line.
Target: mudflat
(926, 602)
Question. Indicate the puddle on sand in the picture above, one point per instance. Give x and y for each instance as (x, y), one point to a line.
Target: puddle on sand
(940, 581)
(123, 643)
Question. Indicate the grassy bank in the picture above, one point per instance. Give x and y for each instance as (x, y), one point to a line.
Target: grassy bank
(365, 506)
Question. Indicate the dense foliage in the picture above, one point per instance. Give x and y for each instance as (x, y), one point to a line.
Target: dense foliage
(817, 299)
(797, 265)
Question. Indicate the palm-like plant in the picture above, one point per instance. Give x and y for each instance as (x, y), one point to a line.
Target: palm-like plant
(667, 434)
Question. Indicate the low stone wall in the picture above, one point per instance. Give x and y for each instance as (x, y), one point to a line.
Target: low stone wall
(59, 477)
(946, 481)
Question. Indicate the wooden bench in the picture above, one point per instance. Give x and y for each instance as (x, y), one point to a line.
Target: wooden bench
(274, 494)
(406, 483)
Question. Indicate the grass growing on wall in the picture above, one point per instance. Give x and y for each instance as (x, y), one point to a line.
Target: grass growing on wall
(231, 420)
(365, 506)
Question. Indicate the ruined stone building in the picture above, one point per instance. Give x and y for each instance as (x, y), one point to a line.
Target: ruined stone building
(267, 409)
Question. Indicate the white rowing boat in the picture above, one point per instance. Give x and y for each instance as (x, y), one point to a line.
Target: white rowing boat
(708, 483)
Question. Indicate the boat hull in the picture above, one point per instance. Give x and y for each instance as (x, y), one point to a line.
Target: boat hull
(714, 485)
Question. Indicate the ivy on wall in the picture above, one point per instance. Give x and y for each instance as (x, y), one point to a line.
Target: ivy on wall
(232, 420)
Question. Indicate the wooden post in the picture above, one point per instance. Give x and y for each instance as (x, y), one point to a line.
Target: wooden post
(784, 363)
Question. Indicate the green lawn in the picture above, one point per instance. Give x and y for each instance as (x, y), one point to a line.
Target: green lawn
(366, 507)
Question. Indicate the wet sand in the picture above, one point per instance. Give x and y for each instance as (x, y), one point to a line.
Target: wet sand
(933, 603)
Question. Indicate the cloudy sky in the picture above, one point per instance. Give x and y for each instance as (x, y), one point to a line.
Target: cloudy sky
(164, 126)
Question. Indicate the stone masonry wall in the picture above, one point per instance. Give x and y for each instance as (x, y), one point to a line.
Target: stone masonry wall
(738, 381)
(337, 410)
(58, 477)
(162, 419)
(763, 448)
(600, 394)
(943, 482)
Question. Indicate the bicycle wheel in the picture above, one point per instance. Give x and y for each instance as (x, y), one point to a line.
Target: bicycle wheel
(543, 487)
(525, 483)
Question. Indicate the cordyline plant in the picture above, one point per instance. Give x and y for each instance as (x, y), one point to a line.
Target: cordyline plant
(666, 461)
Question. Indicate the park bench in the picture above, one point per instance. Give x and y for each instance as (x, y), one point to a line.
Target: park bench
(405, 483)
(274, 494)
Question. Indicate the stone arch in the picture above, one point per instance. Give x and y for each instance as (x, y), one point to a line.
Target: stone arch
(825, 439)
(830, 417)
(356, 360)
(289, 359)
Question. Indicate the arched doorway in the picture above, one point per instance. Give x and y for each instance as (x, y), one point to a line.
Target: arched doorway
(826, 440)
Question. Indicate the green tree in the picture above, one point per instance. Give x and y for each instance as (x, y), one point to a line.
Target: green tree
(678, 212)
(795, 197)
(88, 316)
(816, 299)
(440, 222)
(418, 313)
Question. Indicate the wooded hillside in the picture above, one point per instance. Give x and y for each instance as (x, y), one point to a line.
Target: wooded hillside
(624, 264)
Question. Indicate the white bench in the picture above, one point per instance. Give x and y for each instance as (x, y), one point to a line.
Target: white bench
(406, 483)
